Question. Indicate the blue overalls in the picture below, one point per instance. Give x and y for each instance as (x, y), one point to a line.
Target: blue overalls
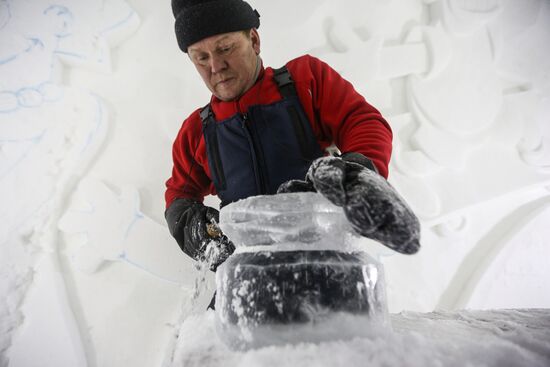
(253, 153)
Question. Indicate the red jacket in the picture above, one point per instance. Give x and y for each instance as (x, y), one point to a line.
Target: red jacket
(337, 113)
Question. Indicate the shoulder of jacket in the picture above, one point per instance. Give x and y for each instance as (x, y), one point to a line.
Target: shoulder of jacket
(298, 62)
(304, 60)
(192, 123)
(307, 67)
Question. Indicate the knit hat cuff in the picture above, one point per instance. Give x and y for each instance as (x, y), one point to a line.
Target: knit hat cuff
(207, 19)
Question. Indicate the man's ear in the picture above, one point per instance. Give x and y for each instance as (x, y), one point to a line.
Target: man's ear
(255, 38)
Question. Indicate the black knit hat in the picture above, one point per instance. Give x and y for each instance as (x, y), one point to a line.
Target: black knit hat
(199, 19)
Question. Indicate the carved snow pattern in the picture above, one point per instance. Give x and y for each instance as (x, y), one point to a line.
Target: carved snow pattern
(49, 133)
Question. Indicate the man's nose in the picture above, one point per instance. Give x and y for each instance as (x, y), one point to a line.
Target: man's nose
(217, 64)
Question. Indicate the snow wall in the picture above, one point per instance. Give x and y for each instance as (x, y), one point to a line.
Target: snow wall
(92, 94)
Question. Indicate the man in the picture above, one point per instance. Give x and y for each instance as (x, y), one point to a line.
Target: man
(265, 131)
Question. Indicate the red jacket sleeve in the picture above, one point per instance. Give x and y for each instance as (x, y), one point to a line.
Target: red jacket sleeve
(188, 180)
(352, 123)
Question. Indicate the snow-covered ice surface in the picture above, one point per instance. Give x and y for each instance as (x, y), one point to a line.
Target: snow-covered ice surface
(467, 338)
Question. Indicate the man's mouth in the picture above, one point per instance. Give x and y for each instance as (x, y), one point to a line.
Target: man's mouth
(224, 81)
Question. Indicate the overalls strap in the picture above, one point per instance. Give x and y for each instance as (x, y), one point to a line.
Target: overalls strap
(252, 153)
(284, 82)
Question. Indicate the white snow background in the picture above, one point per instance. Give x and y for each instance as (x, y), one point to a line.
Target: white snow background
(93, 92)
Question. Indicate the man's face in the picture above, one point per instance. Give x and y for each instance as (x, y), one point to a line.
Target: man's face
(227, 62)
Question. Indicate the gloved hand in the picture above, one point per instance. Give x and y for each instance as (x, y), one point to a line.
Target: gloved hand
(371, 205)
(188, 222)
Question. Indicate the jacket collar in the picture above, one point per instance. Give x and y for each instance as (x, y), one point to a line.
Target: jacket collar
(223, 110)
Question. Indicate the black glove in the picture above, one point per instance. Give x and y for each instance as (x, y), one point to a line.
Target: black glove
(187, 221)
(371, 205)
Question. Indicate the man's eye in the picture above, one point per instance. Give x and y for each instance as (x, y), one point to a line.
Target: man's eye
(226, 49)
(202, 58)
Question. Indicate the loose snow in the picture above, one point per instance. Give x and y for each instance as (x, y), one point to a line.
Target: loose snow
(466, 338)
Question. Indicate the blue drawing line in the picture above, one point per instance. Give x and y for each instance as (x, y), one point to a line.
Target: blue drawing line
(35, 141)
(35, 42)
(124, 257)
(98, 122)
(23, 100)
(71, 54)
(9, 59)
(61, 11)
(137, 216)
(68, 34)
(20, 94)
(118, 24)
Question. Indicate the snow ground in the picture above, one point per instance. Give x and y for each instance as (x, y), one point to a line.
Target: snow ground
(451, 339)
